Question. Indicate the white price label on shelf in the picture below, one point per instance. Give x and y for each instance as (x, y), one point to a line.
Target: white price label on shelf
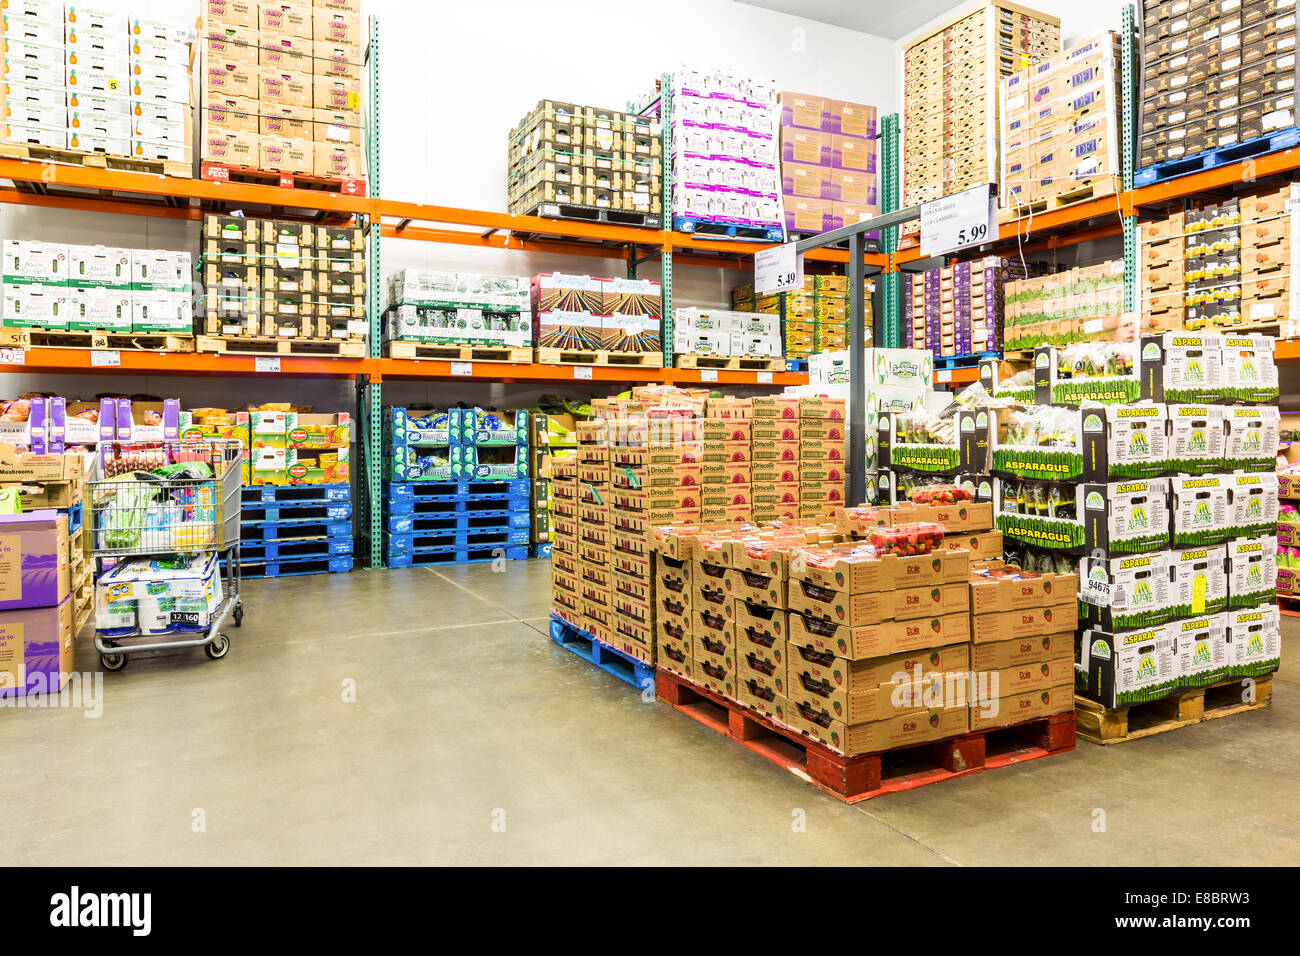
(13, 356)
(105, 358)
(764, 378)
(266, 363)
(967, 218)
(358, 327)
(1092, 326)
(778, 269)
(708, 375)
(462, 368)
(943, 376)
(582, 371)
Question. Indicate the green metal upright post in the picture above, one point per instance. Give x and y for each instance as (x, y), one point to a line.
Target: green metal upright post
(369, 391)
(1128, 151)
(666, 260)
(888, 324)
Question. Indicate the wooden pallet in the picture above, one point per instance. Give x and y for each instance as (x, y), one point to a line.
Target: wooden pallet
(94, 339)
(222, 173)
(853, 779)
(456, 353)
(742, 363)
(336, 348)
(1103, 725)
(81, 157)
(553, 356)
(1022, 209)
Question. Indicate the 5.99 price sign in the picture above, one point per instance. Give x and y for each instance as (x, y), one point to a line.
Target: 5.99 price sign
(967, 218)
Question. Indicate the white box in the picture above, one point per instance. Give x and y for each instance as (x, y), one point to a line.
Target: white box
(1200, 582)
(26, 262)
(27, 95)
(159, 85)
(173, 152)
(1254, 640)
(34, 63)
(1196, 436)
(1252, 570)
(100, 308)
(148, 50)
(1250, 436)
(36, 135)
(30, 114)
(91, 266)
(746, 344)
(913, 368)
(112, 104)
(161, 270)
(32, 29)
(93, 142)
(168, 31)
(51, 10)
(83, 125)
(161, 311)
(157, 114)
(36, 306)
(85, 24)
(701, 342)
(1201, 647)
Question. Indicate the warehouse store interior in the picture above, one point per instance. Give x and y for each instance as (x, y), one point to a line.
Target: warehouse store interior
(828, 433)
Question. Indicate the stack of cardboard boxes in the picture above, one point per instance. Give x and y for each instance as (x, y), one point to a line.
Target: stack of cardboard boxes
(950, 95)
(718, 332)
(594, 313)
(595, 563)
(282, 86)
(566, 595)
(58, 287)
(457, 308)
(289, 280)
(815, 318)
(98, 81)
(1059, 130)
(828, 163)
(562, 153)
(957, 310)
(1076, 305)
(36, 602)
(1213, 75)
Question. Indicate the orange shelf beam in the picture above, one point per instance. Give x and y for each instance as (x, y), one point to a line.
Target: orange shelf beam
(195, 364)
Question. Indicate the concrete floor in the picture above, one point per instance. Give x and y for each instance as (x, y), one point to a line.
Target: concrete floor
(474, 739)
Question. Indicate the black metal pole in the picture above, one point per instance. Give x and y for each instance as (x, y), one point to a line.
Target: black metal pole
(855, 474)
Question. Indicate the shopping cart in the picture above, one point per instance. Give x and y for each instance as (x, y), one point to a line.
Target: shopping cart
(157, 500)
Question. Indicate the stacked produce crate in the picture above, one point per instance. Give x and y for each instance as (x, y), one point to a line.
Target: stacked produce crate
(822, 450)
(950, 95)
(815, 319)
(282, 88)
(712, 336)
(604, 165)
(957, 310)
(726, 490)
(828, 163)
(1213, 76)
(1219, 265)
(725, 157)
(462, 315)
(456, 487)
(596, 597)
(54, 287)
(102, 84)
(1072, 306)
(566, 600)
(1060, 137)
(585, 313)
(283, 287)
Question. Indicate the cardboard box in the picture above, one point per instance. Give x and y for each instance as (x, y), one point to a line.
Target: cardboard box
(989, 594)
(838, 571)
(34, 570)
(36, 648)
(336, 95)
(279, 88)
(855, 643)
(875, 607)
(1031, 705)
(339, 28)
(336, 161)
(864, 675)
(285, 18)
(240, 13)
(1026, 622)
(900, 731)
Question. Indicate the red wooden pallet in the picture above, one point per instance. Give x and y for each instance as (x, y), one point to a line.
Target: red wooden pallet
(853, 779)
(219, 173)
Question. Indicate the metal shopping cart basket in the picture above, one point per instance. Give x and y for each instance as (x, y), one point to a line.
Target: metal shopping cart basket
(164, 517)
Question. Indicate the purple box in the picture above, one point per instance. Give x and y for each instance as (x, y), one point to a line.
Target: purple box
(38, 422)
(35, 649)
(132, 424)
(33, 559)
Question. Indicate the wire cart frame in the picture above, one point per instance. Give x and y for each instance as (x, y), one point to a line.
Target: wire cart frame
(192, 508)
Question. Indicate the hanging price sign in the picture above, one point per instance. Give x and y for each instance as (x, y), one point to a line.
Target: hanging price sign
(778, 269)
(967, 218)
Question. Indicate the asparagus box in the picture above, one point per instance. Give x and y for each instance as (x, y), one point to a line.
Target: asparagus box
(1202, 509)
(1182, 367)
(1201, 646)
(1250, 437)
(1254, 640)
(1127, 667)
(1252, 571)
(1140, 588)
(961, 443)
(1200, 580)
(1248, 367)
(1254, 504)
(1198, 438)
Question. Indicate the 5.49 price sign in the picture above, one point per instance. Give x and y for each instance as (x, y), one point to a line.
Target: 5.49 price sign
(778, 269)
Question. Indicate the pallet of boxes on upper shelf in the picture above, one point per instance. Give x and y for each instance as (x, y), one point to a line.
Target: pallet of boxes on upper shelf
(282, 288)
(723, 339)
(457, 316)
(1151, 470)
(100, 88)
(60, 295)
(815, 318)
(586, 163)
(282, 93)
(957, 312)
(596, 320)
(828, 164)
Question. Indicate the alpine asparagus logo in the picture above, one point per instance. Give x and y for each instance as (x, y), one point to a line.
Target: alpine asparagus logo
(1092, 423)
(1142, 594)
(1138, 445)
(1193, 372)
(1202, 514)
(1137, 519)
(1255, 646)
(1197, 442)
(1249, 373)
(1101, 650)
(1094, 502)
(1201, 655)
(1146, 668)
(1254, 577)
(1255, 509)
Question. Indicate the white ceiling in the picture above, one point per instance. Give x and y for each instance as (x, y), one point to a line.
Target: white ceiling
(883, 18)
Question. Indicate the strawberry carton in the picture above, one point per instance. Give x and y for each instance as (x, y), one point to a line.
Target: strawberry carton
(876, 640)
(1006, 589)
(903, 730)
(875, 607)
(1017, 708)
(856, 568)
(878, 703)
(1027, 622)
(958, 517)
(996, 655)
(862, 676)
(776, 406)
(759, 695)
(759, 589)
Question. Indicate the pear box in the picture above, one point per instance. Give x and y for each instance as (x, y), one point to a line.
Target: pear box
(1202, 509)
(1250, 437)
(1197, 438)
(1248, 369)
(1141, 590)
(1254, 640)
(1199, 579)
(1254, 504)
(1252, 571)
(1116, 668)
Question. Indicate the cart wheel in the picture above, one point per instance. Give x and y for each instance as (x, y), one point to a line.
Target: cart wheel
(239, 615)
(113, 662)
(218, 648)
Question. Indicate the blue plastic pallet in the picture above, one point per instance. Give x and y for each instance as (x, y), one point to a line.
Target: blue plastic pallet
(253, 507)
(423, 489)
(542, 549)
(458, 521)
(1212, 158)
(455, 555)
(259, 552)
(255, 531)
(796, 365)
(728, 230)
(285, 494)
(278, 514)
(456, 505)
(963, 361)
(460, 538)
(615, 663)
(291, 567)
